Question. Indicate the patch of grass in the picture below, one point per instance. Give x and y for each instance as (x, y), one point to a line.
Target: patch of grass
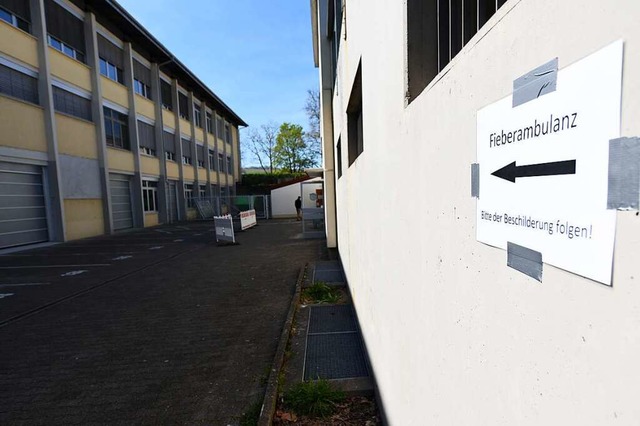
(314, 399)
(252, 415)
(320, 292)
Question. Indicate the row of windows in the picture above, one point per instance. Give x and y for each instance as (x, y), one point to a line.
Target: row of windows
(66, 34)
(150, 195)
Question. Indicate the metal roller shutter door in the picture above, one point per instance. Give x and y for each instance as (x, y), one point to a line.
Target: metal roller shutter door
(121, 201)
(23, 218)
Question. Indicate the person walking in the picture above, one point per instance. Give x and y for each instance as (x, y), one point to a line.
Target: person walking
(298, 204)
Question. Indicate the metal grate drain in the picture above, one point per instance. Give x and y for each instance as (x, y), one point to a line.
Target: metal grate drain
(334, 345)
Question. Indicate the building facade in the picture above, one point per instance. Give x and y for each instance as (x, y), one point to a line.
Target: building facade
(101, 127)
(456, 333)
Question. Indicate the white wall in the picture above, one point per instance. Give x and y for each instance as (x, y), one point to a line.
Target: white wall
(282, 199)
(455, 336)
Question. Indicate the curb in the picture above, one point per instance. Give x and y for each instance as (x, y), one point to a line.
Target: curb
(271, 391)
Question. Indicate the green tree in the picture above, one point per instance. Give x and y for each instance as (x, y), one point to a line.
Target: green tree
(291, 152)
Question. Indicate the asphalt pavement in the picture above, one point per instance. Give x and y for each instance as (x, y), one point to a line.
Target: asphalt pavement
(154, 326)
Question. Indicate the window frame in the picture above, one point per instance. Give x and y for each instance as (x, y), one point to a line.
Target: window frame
(150, 196)
(61, 46)
(188, 196)
(112, 117)
(111, 71)
(16, 21)
(141, 89)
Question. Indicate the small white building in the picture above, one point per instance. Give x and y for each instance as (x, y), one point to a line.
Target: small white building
(475, 315)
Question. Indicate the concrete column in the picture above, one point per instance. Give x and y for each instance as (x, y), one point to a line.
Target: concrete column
(136, 184)
(215, 144)
(203, 107)
(55, 201)
(182, 204)
(93, 60)
(163, 197)
(194, 150)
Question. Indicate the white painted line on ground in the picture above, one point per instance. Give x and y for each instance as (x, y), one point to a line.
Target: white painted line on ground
(53, 266)
(156, 248)
(196, 235)
(161, 231)
(73, 273)
(22, 284)
(179, 240)
(122, 257)
(3, 295)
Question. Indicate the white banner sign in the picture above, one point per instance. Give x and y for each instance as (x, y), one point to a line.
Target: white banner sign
(248, 219)
(224, 228)
(543, 168)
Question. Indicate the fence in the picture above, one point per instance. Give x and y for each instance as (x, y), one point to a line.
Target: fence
(208, 207)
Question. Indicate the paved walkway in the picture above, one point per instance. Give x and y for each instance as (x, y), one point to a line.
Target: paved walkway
(163, 326)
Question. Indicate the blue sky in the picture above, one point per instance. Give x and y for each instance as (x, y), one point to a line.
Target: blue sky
(259, 56)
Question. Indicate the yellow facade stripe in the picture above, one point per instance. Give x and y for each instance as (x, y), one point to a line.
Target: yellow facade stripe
(22, 125)
(76, 137)
(83, 218)
(18, 44)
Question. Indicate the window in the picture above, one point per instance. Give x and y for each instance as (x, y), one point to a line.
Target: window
(111, 60)
(72, 104)
(165, 93)
(197, 115)
(227, 132)
(146, 138)
(141, 80)
(18, 16)
(436, 31)
(209, 123)
(202, 192)
(141, 89)
(168, 139)
(229, 166)
(212, 160)
(188, 195)
(110, 71)
(183, 106)
(66, 32)
(339, 158)
(150, 195)
(186, 152)
(18, 85)
(66, 49)
(116, 129)
(221, 163)
(200, 155)
(220, 126)
(335, 31)
(354, 118)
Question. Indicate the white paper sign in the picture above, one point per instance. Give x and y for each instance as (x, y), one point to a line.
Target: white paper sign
(551, 208)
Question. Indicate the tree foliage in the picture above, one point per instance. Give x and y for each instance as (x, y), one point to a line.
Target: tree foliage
(312, 108)
(262, 143)
(291, 152)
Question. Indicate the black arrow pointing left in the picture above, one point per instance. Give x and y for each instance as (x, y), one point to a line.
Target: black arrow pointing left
(511, 171)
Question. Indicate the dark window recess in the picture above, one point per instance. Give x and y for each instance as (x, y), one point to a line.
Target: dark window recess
(186, 152)
(209, 123)
(16, 13)
(18, 85)
(436, 31)
(111, 60)
(219, 127)
(188, 195)
(214, 191)
(142, 83)
(72, 104)
(212, 160)
(202, 191)
(229, 166)
(146, 138)
(65, 27)
(339, 158)
(183, 105)
(169, 142)
(150, 196)
(200, 154)
(197, 115)
(227, 132)
(116, 129)
(354, 118)
(221, 163)
(334, 31)
(165, 92)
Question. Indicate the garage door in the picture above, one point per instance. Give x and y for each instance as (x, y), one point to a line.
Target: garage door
(23, 218)
(121, 201)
